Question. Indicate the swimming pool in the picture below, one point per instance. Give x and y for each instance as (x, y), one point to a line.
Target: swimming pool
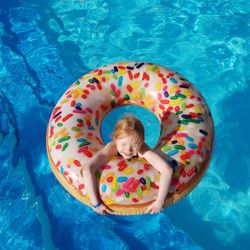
(44, 47)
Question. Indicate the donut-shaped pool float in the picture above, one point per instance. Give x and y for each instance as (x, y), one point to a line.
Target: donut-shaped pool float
(129, 187)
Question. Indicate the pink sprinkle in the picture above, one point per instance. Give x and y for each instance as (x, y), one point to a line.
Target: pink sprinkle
(128, 183)
(190, 152)
(113, 87)
(117, 93)
(89, 110)
(120, 192)
(84, 148)
(181, 134)
(58, 164)
(106, 166)
(79, 111)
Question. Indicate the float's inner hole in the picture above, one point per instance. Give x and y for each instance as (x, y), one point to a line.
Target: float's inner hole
(149, 120)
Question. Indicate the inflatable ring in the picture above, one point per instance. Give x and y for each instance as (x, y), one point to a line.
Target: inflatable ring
(129, 187)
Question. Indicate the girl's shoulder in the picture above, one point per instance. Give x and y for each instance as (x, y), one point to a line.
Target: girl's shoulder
(111, 148)
(144, 148)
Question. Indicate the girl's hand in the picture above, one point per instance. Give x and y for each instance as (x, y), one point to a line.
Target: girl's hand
(155, 207)
(103, 210)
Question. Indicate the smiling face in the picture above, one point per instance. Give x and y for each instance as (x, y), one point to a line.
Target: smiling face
(127, 147)
(128, 136)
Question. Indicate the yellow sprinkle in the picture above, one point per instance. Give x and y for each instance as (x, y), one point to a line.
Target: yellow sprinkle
(132, 160)
(182, 128)
(171, 90)
(122, 72)
(64, 101)
(87, 77)
(108, 200)
(75, 95)
(149, 68)
(145, 192)
(135, 95)
(147, 104)
(180, 141)
(175, 102)
(70, 160)
(158, 85)
(114, 183)
(80, 91)
(135, 84)
(186, 92)
(197, 109)
(128, 170)
(78, 135)
(61, 132)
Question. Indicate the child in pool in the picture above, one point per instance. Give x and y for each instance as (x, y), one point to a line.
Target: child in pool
(128, 141)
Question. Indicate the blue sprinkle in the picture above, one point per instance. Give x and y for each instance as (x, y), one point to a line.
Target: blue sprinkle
(96, 122)
(139, 65)
(57, 114)
(120, 79)
(112, 71)
(184, 86)
(189, 138)
(61, 169)
(142, 181)
(78, 104)
(166, 94)
(96, 80)
(115, 69)
(81, 140)
(104, 188)
(77, 107)
(129, 67)
(173, 80)
(122, 179)
(174, 141)
(172, 152)
(172, 162)
(186, 116)
(91, 128)
(203, 132)
(192, 145)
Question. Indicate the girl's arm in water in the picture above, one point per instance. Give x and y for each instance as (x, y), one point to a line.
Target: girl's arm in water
(165, 179)
(88, 173)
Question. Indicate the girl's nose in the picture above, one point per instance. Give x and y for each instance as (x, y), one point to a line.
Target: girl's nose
(130, 149)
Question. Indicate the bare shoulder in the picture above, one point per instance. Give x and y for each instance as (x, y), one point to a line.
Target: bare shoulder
(102, 156)
(110, 149)
(144, 148)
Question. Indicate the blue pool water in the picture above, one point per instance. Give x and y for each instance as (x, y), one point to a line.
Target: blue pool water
(152, 128)
(46, 45)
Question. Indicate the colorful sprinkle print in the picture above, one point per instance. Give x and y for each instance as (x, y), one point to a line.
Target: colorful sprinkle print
(186, 138)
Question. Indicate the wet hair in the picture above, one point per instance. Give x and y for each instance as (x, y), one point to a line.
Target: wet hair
(127, 126)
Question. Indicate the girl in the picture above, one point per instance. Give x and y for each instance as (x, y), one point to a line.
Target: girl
(128, 141)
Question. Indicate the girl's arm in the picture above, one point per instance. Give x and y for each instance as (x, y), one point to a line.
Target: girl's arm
(89, 169)
(165, 179)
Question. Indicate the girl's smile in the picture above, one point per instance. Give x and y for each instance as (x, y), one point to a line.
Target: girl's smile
(126, 147)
